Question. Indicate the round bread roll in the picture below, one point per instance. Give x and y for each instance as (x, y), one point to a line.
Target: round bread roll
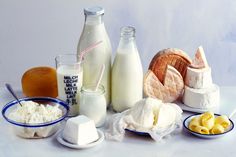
(40, 81)
(171, 56)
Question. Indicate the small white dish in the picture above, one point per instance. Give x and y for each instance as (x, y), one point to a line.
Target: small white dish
(75, 146)
(196, 110)
(206, 136)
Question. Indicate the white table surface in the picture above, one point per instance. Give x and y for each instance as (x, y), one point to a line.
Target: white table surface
(180, 145)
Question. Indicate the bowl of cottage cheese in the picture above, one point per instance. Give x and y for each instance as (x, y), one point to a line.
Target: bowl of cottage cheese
(37, 117)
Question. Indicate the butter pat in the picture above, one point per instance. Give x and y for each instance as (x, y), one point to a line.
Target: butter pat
(80, 130)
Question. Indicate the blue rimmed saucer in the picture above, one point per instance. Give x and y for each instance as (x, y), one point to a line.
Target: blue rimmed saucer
(206, 136)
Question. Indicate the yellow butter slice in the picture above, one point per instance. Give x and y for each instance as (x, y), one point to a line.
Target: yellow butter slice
(208, 120)
(194, 123)
(223, 121)
(217, 129)
(201, 130)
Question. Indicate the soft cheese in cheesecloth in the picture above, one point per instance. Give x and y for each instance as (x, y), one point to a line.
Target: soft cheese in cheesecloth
(145, 112)
(149, 115)
(171, 88)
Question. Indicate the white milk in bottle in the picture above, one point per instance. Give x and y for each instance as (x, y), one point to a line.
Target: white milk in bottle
(93, 32)
(127, 72)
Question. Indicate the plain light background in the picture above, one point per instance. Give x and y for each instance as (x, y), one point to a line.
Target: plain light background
(33, 32)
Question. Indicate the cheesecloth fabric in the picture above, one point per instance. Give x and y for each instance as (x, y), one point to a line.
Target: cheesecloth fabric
(119, 122)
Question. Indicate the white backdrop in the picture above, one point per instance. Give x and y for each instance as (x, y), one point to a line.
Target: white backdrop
(33, 32)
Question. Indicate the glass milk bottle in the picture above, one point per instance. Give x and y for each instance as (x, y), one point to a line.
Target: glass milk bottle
(94, 31)
(127, 72)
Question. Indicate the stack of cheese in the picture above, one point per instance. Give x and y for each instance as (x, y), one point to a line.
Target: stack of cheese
(199, 91)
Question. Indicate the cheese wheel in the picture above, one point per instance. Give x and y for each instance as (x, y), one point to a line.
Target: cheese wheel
(200, 60)
(198, 78)
(169, 91)
(170, 56)
(40, 81)
(202, 98)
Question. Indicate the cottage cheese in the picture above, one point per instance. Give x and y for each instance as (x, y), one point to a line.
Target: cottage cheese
(33, 113)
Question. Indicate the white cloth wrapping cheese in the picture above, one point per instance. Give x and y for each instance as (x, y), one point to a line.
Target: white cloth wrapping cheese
(149, 115)
(198, 78)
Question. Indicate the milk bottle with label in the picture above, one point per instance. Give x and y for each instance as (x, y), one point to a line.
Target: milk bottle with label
(127, 72)
(93, 32)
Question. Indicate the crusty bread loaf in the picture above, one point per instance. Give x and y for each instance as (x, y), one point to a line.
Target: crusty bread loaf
(40, 81)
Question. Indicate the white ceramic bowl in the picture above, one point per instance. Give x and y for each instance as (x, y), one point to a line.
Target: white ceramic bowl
(207, 136)
(39, 130)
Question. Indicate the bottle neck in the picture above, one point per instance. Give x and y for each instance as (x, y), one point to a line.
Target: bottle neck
(127, 43)
(127, 38)
(93, 19)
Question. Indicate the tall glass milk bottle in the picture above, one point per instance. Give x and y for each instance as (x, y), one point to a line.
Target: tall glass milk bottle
(127, 72)
(94, 31)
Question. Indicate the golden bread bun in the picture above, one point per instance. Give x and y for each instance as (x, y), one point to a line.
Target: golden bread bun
(40, 81)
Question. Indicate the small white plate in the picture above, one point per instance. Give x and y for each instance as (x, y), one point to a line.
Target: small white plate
(196, 110)
(75, 146)
(207, 136)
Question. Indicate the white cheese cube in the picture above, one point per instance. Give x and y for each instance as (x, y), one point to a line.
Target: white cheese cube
(80, 130)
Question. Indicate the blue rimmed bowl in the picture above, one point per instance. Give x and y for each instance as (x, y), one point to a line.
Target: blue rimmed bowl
(187, 121)
(138, 132)
(39, 130)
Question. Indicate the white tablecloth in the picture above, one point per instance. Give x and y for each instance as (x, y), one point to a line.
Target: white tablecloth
(180, 145)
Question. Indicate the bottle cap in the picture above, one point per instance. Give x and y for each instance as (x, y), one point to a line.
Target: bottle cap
(94, 11)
